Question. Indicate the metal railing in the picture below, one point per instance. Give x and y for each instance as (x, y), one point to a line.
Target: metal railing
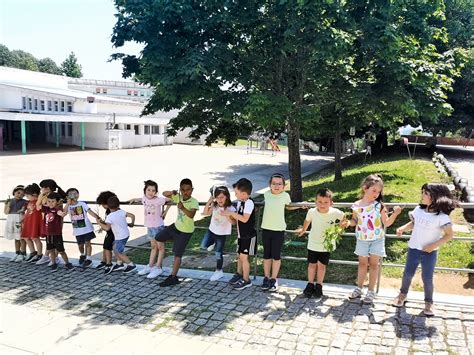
(258, 209)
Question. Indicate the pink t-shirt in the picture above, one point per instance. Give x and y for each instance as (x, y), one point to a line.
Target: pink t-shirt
(153, 211)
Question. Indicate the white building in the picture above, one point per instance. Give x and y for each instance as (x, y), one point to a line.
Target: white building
(37, 108)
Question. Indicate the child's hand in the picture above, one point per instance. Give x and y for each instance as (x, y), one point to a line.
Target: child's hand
(180, 205)
(429, 248)
(175, 192)
(299, 232)
(345, 223)
(226, 213)
(400, 231)
(61, 213)
(131, 225)
(397, 210)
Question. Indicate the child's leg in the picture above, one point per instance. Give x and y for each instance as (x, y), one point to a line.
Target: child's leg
(374, 271)
(81, 248)
(239, 265)
(176, 265)
(220, 242)
(321, 272)
(108, 256)
(276, 243)
(276, 264)
(17, 246)
(22, 246)
(153, 252)
(206, 241)
(267, 252)
(312, 268)
(244, 262)
(428, 262)
(38, 245)
(413, 259)
(88, 247)
(30, 244)
(161, 254)
(124, 258)
(64, 256)
(53, 255)
(362, 270)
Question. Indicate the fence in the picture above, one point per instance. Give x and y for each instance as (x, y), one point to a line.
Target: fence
(259, 207)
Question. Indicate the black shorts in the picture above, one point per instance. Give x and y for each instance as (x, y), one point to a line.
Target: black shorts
(109, 241)
(83, 238)
(272, 243)
(55, 242)
(321, 256)
(247, 246)
(180, 239)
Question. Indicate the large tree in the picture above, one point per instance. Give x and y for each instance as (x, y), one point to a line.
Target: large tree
(47, 65)
(5, 56)
(70, 67)
(23, 60)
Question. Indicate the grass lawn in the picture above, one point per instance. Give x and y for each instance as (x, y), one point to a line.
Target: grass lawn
(403, 180)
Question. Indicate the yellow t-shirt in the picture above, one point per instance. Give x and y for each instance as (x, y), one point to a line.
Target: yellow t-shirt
(184, 223)
(319, 223)
(274, 211)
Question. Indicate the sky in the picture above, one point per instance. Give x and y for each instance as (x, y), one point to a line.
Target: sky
(54, 28)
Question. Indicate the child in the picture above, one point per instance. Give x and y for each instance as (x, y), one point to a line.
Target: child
(431, 228)
(54, 226)
(370, 217)
(247, 235)
(31, 226)
(220, 226)
(82, 227)
(117, 221)
(273, 230)
(152, 206)
(14, 209)
(181, 231)
(320, 218)
(109, 239)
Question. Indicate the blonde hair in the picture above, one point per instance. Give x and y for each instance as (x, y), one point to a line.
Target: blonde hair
(371, 180)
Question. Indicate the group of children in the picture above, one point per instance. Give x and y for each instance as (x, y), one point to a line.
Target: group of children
(42, 213)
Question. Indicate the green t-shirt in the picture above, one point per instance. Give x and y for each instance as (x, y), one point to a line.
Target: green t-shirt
(184, 223)
(319, 223)
(274, 211)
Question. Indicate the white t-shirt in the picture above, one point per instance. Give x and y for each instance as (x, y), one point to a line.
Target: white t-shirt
(427, 227)
(118, 222)
(220, 224)
(79, 219)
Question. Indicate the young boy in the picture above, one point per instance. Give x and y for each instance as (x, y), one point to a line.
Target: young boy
(117, 222)
(109, 236)
(179, 232)
(53, 229)
(247, 235)
(320, 218)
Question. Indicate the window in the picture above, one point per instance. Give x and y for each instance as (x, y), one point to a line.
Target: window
(69, 129)
(42, 105)
(135, 93)
(104, 91)
(36, 104)
(147, 129)
(56, 106)
(30, 104)
(129, 92)
(155, 129)
(63, 129)
(50, 105)
(97, 90)
(23, 103)
(128, 127)
(69, 106)
(50, 126)
(142, 93)
(137, 129)
(63, 106)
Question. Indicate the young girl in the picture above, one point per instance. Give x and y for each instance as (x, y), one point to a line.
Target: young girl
(431, 228)
(109, 239)
(220, 226)
(273, 230)
(82, 227)
(153, 206)
(31, 226)
(14, 209)
(370, 217)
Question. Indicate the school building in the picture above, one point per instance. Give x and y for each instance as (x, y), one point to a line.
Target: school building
(38, 108)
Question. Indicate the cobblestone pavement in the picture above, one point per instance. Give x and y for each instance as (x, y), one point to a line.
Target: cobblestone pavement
(283, 322)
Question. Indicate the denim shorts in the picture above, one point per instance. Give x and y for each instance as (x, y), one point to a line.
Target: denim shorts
(119, 245)
(152, 232)
(370, 247)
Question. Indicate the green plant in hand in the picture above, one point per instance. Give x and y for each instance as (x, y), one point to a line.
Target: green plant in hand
(333, 234)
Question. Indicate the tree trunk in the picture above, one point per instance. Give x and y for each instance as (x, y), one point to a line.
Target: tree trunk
(337, 153)
(294, 162)
(381, 141)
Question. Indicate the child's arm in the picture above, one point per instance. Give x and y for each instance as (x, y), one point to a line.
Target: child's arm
(92, 213)
(388, 221)
(132, 218)
(405, 228)
(208, 207)
(190, 213)
(353, 221)
(6, 208)
(447, 236)
(134, 200)
(238, 217)
(41, 201)
(292, 208)
(301, 231)
(168, 194)
(103, 225)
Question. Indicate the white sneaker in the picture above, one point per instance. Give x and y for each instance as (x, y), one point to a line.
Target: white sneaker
(144, 270)
(44, 259)
(211, 247)
(14, 257)
(58, 262)
(19, 258)
(217, 275)
(155, 271)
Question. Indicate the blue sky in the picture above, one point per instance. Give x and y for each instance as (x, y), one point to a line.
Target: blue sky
(54, 28)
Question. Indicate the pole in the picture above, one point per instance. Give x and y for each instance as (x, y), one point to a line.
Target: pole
(259, 231)
(379, 274)
(83, 136)
(57, 134)
(23, 137)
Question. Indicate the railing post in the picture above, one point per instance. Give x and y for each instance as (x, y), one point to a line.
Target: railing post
(379, 274)
(259, 230)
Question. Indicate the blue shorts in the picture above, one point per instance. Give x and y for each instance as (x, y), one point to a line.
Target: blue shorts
(83, 238)
(370, 247)
(152, 232)
(119, 245)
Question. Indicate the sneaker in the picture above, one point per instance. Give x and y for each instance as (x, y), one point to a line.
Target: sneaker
(44, 259)
(265, 284)
(155, 272)
(242, 284)
(273, 285)
(118, 267)
(87, 263)
(58, 261)
(309, 290)
(69, 266)
(145, 270)
(369, 297)
(54, 267)
(108, 269)
(235, 278)
(170, 281)
(318, 291)
(31, 256)
(400, 300)
(211, 247)
(35, 259)
(129, 269)
(101, 265)
(356, 293)
(218, 274)
(14, 257)
(19, 258)
(428, 310)
(82, 258)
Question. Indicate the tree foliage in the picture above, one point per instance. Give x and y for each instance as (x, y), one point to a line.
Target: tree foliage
(70, 67)
(47, 65)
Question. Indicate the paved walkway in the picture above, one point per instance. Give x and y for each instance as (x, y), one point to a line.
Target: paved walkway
(87, 312)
